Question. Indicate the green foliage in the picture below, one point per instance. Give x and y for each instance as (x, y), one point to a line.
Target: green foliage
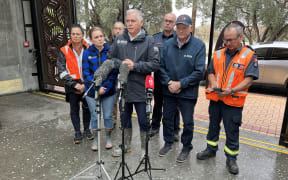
(105, 13)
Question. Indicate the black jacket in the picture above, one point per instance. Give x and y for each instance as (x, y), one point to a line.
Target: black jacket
(145, 55)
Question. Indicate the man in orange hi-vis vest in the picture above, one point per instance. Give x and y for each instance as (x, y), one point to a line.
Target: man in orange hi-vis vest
(230, 74)
(69, 64)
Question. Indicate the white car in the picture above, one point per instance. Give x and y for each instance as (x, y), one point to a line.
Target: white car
(273, 63)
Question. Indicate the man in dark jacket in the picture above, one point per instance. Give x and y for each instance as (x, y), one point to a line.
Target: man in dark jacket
(167, 33)
(137, 49)
(69, 64)
(182, 68)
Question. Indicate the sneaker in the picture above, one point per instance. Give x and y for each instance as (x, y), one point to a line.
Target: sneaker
(182, 156)
(232, 166)
(78, 137)
(153, 132)
(206, 154)
(164, 150)
(87, 133)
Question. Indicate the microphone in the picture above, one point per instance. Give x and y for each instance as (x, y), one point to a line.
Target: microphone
(149, 87)
(103, 71)
(123, 73)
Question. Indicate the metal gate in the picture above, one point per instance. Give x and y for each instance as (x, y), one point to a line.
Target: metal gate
(51, 19)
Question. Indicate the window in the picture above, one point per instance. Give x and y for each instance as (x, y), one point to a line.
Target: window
(280, 54)
(261, 52)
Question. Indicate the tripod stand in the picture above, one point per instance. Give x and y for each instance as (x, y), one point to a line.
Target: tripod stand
(147, 166)
(99, 162)
(123, 164)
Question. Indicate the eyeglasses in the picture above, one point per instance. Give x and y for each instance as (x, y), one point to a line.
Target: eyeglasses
(169, 21)
(230, 40)
(76, 34)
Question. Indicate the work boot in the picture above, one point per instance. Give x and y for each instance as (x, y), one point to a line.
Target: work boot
(87, 133)
(232, 166)
(206, 154)
(108, 139)
(78, 137)
(94, 146)
(127, 143)
(143, 144)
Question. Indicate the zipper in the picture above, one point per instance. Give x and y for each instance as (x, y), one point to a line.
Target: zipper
(135, 54)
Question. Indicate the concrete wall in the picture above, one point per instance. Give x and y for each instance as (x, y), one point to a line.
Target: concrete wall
(16, 62)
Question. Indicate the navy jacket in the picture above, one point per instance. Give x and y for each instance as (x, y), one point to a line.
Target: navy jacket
(185, 64)
(92, 60)
(145, 55)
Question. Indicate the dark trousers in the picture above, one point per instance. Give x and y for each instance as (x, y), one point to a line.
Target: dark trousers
(232, 117)
(74, 100)
(186, 107)
(158, 107)
(141, 113)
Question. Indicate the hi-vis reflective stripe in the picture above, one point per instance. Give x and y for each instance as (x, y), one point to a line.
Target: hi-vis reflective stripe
(243, 92)
(229, 151)
(231, 78)
(63, 74)
(210, 89)
(218, 54)
(245, 53)
(218, 76)
(212, 143)
(66, 49)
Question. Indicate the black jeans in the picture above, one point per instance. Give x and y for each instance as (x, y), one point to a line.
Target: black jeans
(158, 107)
(74, 100)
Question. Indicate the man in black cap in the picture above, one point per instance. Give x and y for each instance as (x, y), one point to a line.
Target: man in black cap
(182, 68)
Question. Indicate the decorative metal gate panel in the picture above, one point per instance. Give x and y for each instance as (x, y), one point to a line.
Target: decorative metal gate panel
(53, 19)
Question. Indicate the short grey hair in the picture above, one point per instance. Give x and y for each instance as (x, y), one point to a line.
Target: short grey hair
(140, 14)
(238, 28)
(120, 23)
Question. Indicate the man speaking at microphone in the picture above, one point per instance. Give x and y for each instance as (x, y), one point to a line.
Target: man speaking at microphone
(137, 49)
(181, 69)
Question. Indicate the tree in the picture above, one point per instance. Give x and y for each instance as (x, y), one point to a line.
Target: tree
(264, 20)
(105, 13)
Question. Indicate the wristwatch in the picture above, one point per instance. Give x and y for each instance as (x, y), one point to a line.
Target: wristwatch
(232, 91)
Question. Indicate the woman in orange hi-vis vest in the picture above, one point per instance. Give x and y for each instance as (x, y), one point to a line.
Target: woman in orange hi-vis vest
(69, 64)
(230, 74)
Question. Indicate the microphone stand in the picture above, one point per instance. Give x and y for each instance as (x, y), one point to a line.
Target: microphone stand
(99, 162)
(147, 166)
(123, 164)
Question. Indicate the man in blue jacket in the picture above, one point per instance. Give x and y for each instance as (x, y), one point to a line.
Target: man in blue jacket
(182, 68)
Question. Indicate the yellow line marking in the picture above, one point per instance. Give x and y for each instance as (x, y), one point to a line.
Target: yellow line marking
(55, 94)
(251, 144)
(43, 94)
(262, 142)
(203, 132)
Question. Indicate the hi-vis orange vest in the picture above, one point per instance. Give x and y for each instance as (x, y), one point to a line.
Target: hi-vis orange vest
(231, 77)
(71, 60)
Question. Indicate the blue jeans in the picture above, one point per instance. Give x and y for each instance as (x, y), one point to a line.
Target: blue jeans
(107, 108)
(186, 107)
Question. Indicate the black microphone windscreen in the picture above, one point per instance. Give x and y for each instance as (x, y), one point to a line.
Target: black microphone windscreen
(103, 71)
(124, 71)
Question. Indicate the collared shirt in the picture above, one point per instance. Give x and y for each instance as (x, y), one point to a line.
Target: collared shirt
(132, 38)
(179, 43)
